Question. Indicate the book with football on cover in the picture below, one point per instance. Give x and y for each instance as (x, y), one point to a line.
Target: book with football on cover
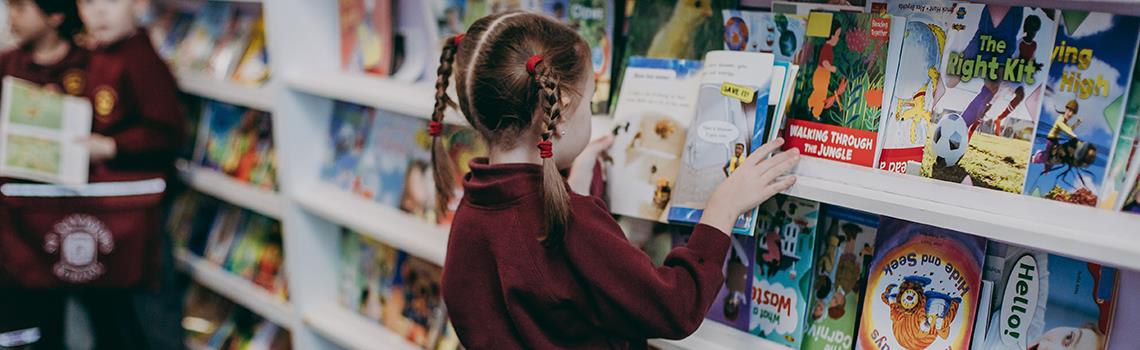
(907, 122)
(650, 123)
(922, 288)
(844, 249)
(991, 84)
(782, 285)
(1047, 301)
(1093, 57)
(838, 98)
(722, 131)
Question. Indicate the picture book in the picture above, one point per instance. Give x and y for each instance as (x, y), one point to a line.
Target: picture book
(778, 122)
(232, 41)
(779, 34)
(594, 20)
(992, 81)
(731, 306)
(194, 51)
(239, 143)
(378, 267)
(449, 16)
(844, 249)
(395, 146)
(838, 99)
(732, 85)
(416, 297)
(38, 129)
(463, 145)
(1116, 182)
(349, 135)
(651, 120)
(907, 123)
(922, 288)
(1047, 301)
(253, 66)
(782, 285)
(366, 39)
(1084, 106)
(679, 29)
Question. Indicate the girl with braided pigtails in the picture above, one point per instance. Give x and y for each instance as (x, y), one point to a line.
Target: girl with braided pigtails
(535, 260)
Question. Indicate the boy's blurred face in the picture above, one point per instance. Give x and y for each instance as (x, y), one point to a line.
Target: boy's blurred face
(108, 21)
(28, 21)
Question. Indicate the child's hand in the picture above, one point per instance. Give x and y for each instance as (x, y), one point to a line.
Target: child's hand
(751, 184)
(100, 148)
(582, 171)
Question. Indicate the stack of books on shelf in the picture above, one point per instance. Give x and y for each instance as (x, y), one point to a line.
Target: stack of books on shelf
(236, 240)
(238, 142)
(212, 322)
(399, 291)
(386, 157)
(222, 40)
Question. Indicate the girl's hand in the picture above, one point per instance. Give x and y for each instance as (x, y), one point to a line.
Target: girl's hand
(100, 148)
(582, 171)
(751, 184)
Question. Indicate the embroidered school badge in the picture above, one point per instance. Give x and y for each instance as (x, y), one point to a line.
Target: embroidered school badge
(73, 82)
(104, 102)
(79, 239)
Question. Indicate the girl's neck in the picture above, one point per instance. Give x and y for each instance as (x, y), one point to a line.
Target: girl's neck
(518, 154)
(49, 49)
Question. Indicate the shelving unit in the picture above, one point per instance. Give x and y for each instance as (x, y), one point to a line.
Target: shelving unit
(307, 79)
(237, 289)
(353, 331)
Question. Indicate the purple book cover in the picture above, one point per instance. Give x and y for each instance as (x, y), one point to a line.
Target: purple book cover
(731, 304)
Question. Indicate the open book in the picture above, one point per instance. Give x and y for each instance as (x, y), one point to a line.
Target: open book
(38, 129)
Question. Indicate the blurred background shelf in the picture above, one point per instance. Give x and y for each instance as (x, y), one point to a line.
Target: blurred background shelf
(354, 332)
(237, 289)
(256, 97)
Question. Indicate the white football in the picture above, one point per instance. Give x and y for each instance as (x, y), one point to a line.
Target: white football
(951, 138)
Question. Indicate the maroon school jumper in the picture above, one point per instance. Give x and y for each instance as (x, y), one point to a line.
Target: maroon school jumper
(68, 75)
(112, 240)
(504, 290)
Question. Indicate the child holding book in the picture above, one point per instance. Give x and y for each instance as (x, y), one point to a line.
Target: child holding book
(533, 263)
(44, 55)
(102, 243)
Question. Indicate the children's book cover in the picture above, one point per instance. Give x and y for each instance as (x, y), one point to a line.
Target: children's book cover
(349, 135)
(679, 29)
(986, 105)
(1131, 202)
(395, 146)
(366, 36)
(449, 16)
(733, 84)
(232, 41)
(1084, 106)
(253, 67)
(651, 120)
(731, 306)
(779, 34)
(922, 288)
(1046, 301)
(594, 20)
(907, 123)
(463, 145)
(1124, 333)
(844, 249)
(781, 289)
(1116, 182)
(415, 297)
(838, 98)
(193, 52)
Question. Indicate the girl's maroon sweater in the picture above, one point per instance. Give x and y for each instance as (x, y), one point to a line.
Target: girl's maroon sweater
(505, 290)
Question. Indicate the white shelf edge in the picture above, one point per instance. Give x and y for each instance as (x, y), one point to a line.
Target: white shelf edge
(233, 191)
(237, 289)
(715, 336)
(411, 99)
(1082, 232)
(353, 331)
(388, 225)
(256, 97)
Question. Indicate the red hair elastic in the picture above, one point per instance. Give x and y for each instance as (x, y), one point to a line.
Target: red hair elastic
(533, 61)
(458, 39)
(545, 149)
(435, 128)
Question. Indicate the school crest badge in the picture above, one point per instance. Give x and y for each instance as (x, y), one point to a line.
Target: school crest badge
(104, 102)
(73, 82)
(79, 239)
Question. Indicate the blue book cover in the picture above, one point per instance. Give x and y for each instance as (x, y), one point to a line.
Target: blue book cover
(779, 34)
(1093, 57)
(396, 144)
(348, 135)
(783, 283)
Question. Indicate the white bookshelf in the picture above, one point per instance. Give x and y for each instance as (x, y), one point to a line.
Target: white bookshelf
(256, 97)
(221, 186)
(715, 336)
(237, 289)
(353, 331)
(389, 94)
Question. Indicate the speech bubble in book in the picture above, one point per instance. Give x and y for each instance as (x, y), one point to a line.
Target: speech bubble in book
(718, 131)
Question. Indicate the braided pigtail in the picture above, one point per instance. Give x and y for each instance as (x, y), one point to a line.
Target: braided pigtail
(442, 168)
(556, 201)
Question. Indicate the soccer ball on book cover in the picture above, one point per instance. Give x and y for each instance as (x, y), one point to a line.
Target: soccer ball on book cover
(951, 138)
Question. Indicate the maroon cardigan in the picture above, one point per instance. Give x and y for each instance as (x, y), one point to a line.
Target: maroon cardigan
(504, 290)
